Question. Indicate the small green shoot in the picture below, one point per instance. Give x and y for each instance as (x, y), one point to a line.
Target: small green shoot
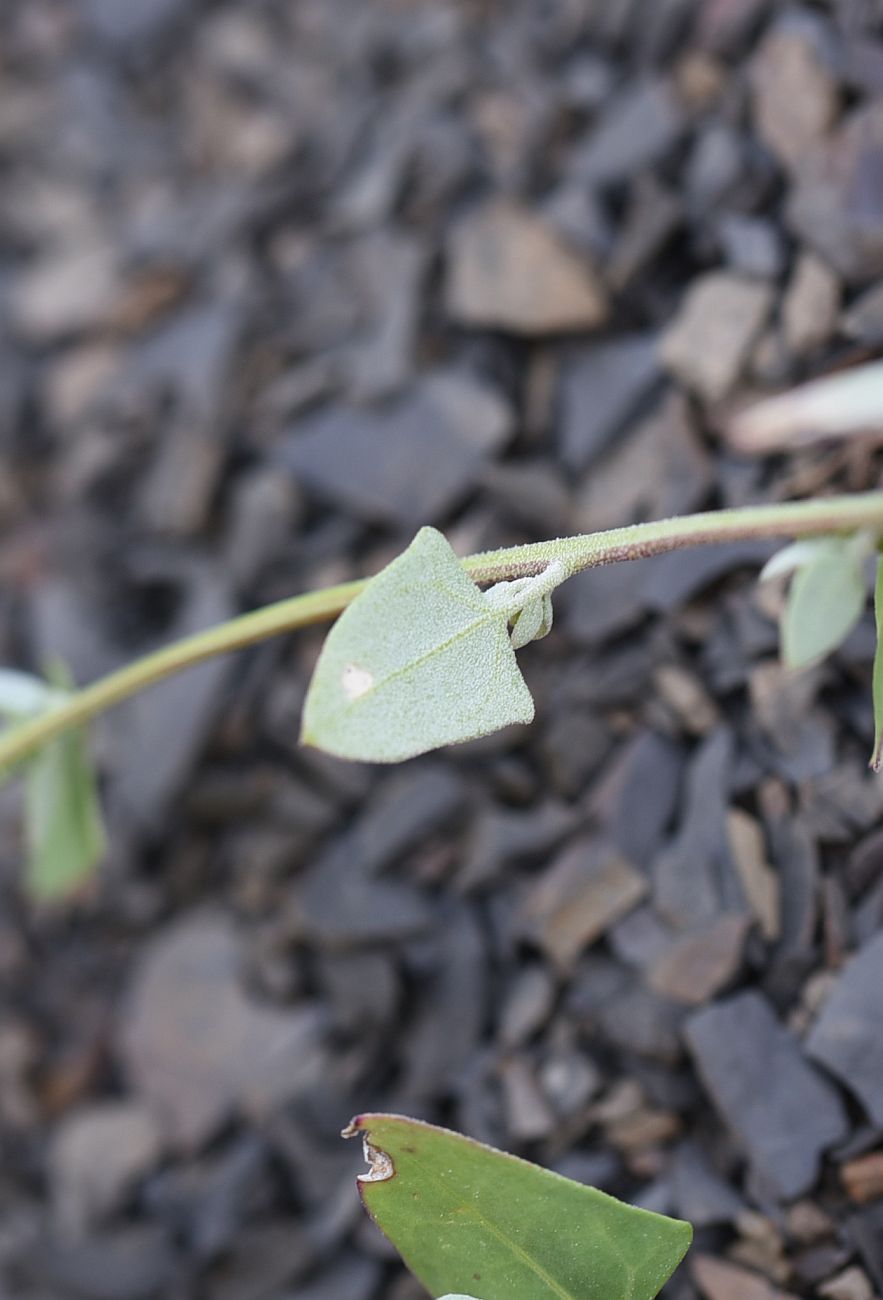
(464, 1215)
(64, 834)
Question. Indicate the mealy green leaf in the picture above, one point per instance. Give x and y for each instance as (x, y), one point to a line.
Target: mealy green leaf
(63, 827)
(420, 659)
(464, 1215)
(826, 600)
(878, 670)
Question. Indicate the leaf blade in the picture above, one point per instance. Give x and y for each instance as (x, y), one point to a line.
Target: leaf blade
(419, 660)
(509, 1229)
(63, 824)
(826, 600)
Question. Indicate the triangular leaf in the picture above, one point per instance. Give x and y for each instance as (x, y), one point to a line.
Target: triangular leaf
(878, 670)
(826, 600)
(463, 1215)
(420, 659)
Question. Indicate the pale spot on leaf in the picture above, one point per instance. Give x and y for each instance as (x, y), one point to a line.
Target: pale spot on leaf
(356, 681)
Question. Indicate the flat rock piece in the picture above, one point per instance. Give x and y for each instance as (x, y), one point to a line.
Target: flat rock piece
(95, 1156)
(508, 271)
(694, 878)
(126, 26)
(65, 293)
(810, 305)
(601, 387)
(784, 1114)
(195, 1047)
(848, 1036)
(135, 1263)
(851, 1284)
(405, 464)
(588, 888)
(698, 966)
(835, 204)
(657, 468)
(795, 95)
(636, 799)
(719, 1280)
(708, 342)
(340, 906)
(702, 1196)
(640, 126)
(863, 1178)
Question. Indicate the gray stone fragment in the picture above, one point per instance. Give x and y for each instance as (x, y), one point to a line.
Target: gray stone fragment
(639, 128)
(784, 1114)
(848, 1036)
(405, 464)
(602, 387)
(508, 270)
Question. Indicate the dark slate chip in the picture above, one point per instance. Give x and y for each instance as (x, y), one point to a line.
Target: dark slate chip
(339, 906)
(835, 205)
(848, 1036)
(126, 26)
(134, 1263)
(702, 1196)
(406, 464)
(673, 579)
(866, 1231)
(784, 1114)
(695, 881)
(636, 799)
(601, 388)
(638, 128)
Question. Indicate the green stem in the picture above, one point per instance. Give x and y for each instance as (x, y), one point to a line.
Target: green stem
(793, 519)
(638, 541)
(298, 611)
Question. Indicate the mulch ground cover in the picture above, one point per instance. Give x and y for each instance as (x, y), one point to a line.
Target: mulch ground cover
(280, 282)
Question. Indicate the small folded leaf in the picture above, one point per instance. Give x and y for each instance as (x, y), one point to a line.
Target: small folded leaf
(826, 600)
(464, 1215)
(796, 555)
(420, 659)
(63, 827)
(878, 670)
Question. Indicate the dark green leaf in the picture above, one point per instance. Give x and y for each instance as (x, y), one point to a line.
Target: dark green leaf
(469, 1219)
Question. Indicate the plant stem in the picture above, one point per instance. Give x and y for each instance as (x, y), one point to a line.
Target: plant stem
(298, 611)
(844, 514)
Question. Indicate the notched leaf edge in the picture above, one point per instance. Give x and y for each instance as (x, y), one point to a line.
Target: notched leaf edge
(380, 1164)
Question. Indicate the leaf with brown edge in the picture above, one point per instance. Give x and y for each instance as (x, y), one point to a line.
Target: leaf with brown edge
(467, 1218)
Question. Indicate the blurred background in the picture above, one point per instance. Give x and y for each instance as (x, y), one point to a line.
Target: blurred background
(281, 281)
